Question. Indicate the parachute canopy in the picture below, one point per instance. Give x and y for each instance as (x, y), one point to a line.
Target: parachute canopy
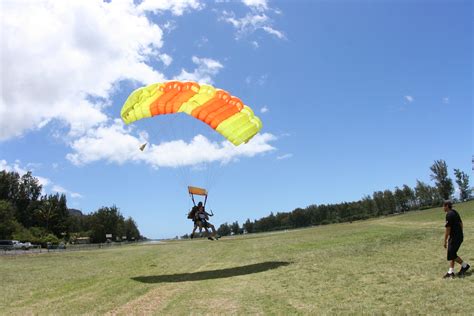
(197, 191)
(217, 108)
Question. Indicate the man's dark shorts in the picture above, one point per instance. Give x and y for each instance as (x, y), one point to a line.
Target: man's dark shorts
(453, 247)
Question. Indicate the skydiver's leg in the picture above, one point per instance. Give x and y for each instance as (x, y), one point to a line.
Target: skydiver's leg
(200, 228)
(194, 230)
(213, 228)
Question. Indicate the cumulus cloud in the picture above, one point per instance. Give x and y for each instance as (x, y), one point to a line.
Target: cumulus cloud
(56, 54)
(409, 98)
(256, 19)
(166, 59)
(61, 190)
(205, 70)
(177, 7)
(62, 61)
(256, 4)
(115, 144)
(264, 109)
(285, 156)
(261, 80)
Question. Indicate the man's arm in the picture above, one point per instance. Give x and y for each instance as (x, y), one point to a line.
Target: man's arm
(446, 236)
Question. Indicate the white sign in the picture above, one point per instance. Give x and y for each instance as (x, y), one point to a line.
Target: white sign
(108, 235)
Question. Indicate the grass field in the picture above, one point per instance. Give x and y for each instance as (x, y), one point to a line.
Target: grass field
(390, 265)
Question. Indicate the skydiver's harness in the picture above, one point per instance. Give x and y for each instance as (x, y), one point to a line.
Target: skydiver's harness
(199, 191)
(194, 214)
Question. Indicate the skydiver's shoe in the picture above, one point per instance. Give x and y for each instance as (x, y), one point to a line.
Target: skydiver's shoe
(463, 270)
(449, 276)
(210, 238)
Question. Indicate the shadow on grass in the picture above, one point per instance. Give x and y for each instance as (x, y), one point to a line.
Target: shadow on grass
(212, 274)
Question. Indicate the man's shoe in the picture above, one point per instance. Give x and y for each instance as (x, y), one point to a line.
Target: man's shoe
(210, 238)
(449, 276)
(464, 270)
(192, 236)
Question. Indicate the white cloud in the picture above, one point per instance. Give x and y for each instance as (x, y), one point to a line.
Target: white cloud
(177, 7)
(61, 190)
(62, 61)
(261, 80)
(256, 19)
(166, 59)
(255, 44)
(285, 156)
(256, 4)
(446, 100)
(272, 31)
(409, 98)
(115, 144)
(265, 109)
(202, 41)
(206, 69)
(56, 54)
(58, 189)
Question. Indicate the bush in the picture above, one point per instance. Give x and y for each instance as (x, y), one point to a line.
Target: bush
(50, 238)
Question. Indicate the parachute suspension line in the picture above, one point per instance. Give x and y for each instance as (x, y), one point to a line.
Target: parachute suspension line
(181, 169)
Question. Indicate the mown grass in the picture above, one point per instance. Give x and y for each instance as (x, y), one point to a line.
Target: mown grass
(391, 265)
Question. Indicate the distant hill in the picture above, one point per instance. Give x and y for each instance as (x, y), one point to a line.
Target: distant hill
(75, 212)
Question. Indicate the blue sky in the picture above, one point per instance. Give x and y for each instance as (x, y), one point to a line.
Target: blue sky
(355, 96)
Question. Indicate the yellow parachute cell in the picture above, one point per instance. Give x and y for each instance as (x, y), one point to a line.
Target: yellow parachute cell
(215, 107)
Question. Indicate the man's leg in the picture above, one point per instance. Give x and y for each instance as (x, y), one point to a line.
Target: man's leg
(194, 230)
(464, 266)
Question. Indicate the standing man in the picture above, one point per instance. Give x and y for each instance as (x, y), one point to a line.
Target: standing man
(453, 238)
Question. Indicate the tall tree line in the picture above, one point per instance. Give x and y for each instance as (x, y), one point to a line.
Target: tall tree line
(27, 215)
(401, 199)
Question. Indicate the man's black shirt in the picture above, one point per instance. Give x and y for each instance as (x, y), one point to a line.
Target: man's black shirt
(454, 221)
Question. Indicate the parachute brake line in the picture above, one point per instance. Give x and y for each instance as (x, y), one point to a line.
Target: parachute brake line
(194, 202)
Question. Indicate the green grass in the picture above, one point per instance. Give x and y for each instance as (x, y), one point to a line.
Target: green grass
(390, 265)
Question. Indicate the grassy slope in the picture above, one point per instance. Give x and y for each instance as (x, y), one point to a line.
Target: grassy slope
(390, 265)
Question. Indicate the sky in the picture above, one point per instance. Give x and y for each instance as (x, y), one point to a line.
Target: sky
(354, 96)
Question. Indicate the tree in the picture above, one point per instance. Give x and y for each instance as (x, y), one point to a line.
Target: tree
(462, 180)
(29, 190)
(401, 199)
(410, 195)
(8, 223)
(380, 203)
(53, 214)
(235, 228)
(224, 230)
(9, 185)
(440, 175)
(131, 229)
(423, 194)
(390, 202)
(369, 205)
(248, 226)
(107, 220)
(299, 218)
